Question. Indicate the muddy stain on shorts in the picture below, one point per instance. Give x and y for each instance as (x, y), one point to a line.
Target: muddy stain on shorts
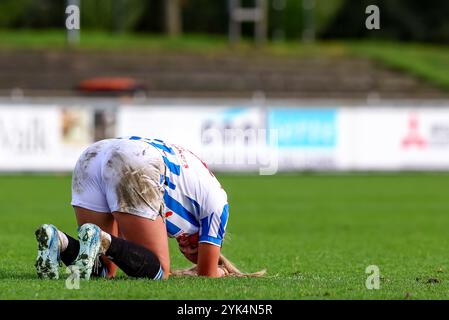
(80, 173)
(137, 186)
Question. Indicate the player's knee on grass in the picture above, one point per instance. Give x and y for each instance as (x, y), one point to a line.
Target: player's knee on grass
(135, 260)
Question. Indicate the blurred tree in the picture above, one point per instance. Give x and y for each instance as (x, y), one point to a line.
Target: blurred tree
(325, 11)
(173, 17)
(410, 20)
(152, 18)
(292, 22)
(116, 15)
(34, 14)
(119, 15)
(286, 17)
(129, 12)
(11, 12)
(96, 14)
(205, 16)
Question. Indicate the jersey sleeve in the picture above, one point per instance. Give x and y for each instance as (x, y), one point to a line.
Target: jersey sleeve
(213, 220)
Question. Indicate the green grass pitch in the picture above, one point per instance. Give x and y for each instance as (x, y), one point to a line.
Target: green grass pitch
(315, 234)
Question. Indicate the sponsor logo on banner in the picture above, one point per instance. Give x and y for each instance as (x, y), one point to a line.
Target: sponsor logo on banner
(434, 136)
(23, 136)
(27, 132)
(413, 137)
(307, 138)
(42, 138)
(304, 128)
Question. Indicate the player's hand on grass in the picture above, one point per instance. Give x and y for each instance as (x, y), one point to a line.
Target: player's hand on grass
(222, 272)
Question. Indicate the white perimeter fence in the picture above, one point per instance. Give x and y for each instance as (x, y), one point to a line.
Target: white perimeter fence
(232, 135)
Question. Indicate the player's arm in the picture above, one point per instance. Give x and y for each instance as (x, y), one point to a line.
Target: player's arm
(212, 230)
(204, 248)
(208, 257)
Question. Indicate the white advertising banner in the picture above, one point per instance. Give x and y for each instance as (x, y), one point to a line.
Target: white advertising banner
(51, 138)
(42, 138)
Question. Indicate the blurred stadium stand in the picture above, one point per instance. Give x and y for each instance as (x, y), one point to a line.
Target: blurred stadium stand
(58, 73)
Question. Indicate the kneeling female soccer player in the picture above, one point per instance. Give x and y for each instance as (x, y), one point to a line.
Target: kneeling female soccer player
(128, 193)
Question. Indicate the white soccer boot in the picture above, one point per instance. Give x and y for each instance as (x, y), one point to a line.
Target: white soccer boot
(89, 236)
(47, 261)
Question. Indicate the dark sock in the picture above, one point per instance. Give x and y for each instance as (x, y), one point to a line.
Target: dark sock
(69, 255)
(71, 252)
(135, 260)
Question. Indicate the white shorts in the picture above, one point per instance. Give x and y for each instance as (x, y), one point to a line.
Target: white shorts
(120, 175)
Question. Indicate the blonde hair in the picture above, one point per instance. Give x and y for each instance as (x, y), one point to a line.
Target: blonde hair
(227, 266)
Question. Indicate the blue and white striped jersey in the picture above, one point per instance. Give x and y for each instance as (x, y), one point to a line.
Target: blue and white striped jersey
(194, 200)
